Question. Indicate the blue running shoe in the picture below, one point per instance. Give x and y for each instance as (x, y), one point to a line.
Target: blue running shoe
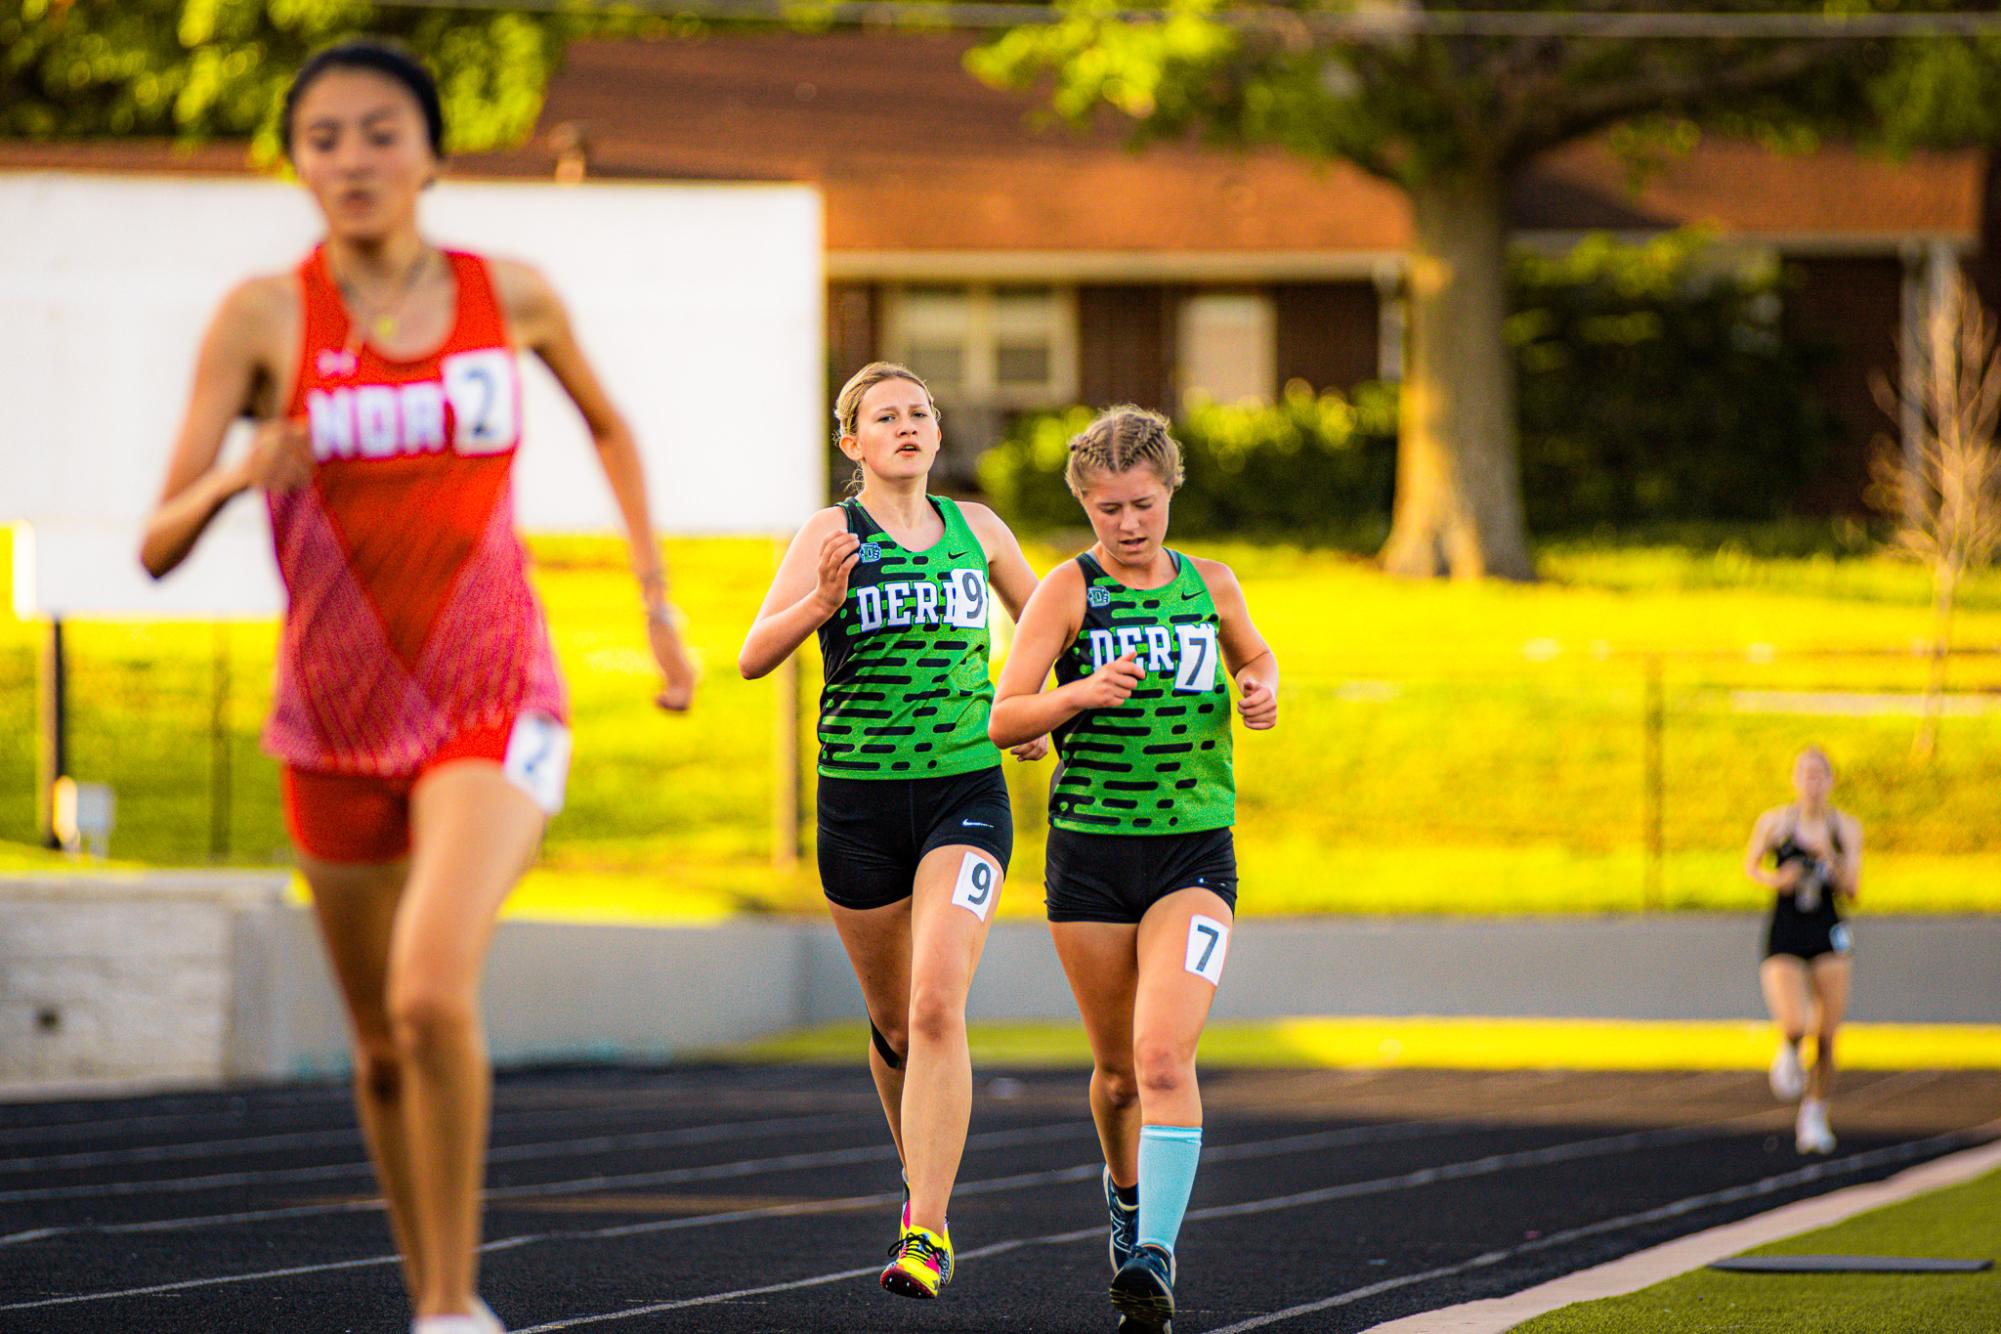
(1143, 1291)
(1125, 1224)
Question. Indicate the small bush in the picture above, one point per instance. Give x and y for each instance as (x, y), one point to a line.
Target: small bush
(1312, 465)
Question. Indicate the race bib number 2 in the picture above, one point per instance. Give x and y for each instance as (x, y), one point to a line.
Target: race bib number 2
(538, 759)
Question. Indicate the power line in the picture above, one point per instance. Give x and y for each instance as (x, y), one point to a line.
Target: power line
(1385, 23)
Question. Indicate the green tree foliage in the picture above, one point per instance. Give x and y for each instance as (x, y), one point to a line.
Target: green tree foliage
(197, 69)
(1309, 466)
(1657, 384)
(1657, 387)
(1444, 100)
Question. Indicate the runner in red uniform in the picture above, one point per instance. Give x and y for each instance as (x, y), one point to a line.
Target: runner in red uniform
(419, 714)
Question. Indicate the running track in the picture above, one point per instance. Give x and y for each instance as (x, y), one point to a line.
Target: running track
(761, 1199)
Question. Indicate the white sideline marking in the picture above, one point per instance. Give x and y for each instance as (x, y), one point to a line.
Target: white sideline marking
(1645, 1268)
(1764, 1186)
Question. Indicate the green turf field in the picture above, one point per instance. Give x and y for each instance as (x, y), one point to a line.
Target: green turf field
(1959, 1223)
(1441, 748)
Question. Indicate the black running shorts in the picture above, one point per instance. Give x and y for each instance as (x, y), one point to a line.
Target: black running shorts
(874, 831)
(1117, 877)
(1806, 936)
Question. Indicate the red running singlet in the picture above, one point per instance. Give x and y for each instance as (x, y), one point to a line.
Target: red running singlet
(409, 618)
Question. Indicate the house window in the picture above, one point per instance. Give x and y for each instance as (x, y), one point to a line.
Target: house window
(1229, 347)
(1002, 347)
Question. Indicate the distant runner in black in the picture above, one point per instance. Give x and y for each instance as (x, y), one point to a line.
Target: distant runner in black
(1817, 863)
(915, 827)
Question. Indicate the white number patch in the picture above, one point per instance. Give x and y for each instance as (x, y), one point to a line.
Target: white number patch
(979, 879)
(538, 759)
(1195, 669)
(966, 599)
(485, 395)
(1208, 942)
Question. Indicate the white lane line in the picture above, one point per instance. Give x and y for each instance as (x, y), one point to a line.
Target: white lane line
(334, 1137)
(339, 1098)
(1641, 1269)
(508, 1153)
(1486, 1165)
(741, 1167)
(712, 1172)
(1225, 1153)
(1751, 1190)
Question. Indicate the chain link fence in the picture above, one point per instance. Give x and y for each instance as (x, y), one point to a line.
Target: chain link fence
(1407, 780)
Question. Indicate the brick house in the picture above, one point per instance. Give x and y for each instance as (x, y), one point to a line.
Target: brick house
(1020, 265)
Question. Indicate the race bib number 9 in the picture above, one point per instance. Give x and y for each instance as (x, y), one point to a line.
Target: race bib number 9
(1208, 942)
(978, 883)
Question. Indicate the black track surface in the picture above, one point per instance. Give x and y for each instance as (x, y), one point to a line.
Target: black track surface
(730, 1199)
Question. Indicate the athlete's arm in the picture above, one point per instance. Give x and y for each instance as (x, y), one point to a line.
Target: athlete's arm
(1779, 879)
(234, 361)
(1008, 570)
(540, 323)
(811, 584)
(1010, 576)
(1848, 863)
(1251, 662)
(1024, 711)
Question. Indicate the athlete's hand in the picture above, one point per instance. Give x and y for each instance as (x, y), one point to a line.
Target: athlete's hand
(1029, 751)
(279, 459)
(838, 556)
(1112, 684)
(1787, 876)
(1259, 705)
(678, 672)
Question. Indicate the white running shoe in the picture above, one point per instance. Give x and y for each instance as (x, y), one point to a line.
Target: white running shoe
(1788, 1075)
(482, 1320)
(1810, 1134)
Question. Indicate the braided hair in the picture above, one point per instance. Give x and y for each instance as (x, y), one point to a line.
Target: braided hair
(1121, 439)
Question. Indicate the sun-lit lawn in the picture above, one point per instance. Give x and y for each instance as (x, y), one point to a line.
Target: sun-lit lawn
(1960, 1223)
(1441, 747)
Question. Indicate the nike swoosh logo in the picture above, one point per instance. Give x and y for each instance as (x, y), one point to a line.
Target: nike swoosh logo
(1186, 596)
(974, 824)
(954, 555)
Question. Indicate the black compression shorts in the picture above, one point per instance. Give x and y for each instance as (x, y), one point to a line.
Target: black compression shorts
(874, 831)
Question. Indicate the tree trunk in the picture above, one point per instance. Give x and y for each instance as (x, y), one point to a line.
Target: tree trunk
(1459, 489)
(1945, 586)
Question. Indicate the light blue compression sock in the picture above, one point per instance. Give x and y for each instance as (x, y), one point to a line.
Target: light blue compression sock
(1167, 1158)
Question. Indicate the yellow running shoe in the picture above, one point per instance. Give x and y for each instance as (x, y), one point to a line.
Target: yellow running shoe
(920, 1264)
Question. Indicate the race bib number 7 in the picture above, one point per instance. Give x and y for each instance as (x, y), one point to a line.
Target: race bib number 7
(1208, 942)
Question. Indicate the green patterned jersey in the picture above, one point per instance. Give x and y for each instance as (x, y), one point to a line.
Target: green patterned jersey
(907, 688)
(1160, 762)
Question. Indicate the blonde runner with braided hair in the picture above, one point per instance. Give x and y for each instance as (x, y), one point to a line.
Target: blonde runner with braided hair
(1140, 870)
(1121, 439)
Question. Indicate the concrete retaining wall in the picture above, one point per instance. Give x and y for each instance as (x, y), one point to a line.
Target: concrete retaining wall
(204, 977)
(132, 978)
